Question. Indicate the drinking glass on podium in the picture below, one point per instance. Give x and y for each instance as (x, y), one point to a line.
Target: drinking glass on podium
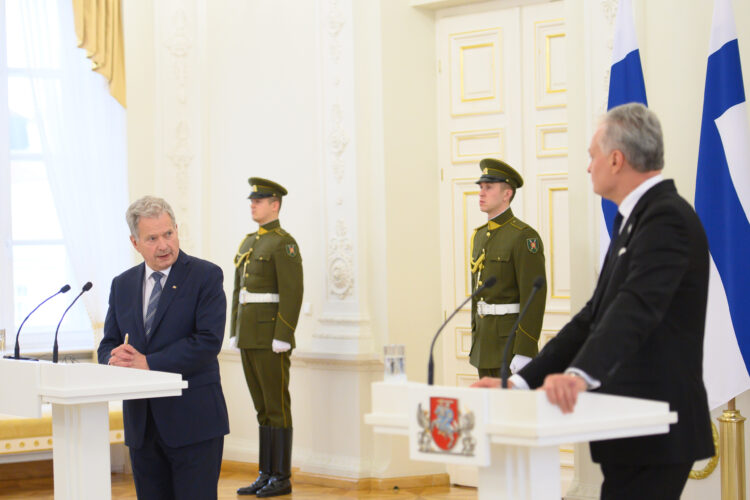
(394, 363)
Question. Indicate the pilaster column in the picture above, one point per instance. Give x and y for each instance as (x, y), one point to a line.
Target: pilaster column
(343, 325)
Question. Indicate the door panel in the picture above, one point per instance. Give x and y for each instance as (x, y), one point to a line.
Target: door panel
(502, 94)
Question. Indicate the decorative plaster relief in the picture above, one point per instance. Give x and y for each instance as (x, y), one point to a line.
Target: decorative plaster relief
(337, 142)
(609, 8)
(340, 258)
(176, 110)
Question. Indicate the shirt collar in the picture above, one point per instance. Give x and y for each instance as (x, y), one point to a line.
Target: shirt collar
(629, 202)
(150, 271)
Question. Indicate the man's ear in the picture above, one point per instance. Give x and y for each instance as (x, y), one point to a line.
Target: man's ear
(132, 240)
(617, 160)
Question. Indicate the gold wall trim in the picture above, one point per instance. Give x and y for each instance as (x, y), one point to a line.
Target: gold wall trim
(542, 90)
(541, 132)
(460, 332)
(465, 376)
(461, 78)
(548, 79)
(467, 135)
(550, 193)
(497, 73)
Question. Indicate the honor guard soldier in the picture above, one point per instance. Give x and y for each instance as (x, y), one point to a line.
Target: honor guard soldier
(512, 252)
(265, 309)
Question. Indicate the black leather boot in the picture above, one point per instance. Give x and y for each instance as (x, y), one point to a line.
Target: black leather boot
(280, 483)
(264, 462)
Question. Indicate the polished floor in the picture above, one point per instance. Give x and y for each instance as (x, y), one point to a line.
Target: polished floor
(232, 477)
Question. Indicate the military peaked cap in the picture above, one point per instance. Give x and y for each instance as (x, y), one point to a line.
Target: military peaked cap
(498, 171)
(263, 188)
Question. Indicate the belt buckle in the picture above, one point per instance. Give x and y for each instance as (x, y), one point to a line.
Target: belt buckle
(480, 308)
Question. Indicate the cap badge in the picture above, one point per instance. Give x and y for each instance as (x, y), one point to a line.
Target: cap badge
(485, 171)
(255, 188)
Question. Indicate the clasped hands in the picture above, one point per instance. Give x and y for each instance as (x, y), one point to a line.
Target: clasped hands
(562, 389)
(127, 355)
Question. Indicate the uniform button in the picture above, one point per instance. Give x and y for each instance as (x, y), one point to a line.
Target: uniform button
(257, 237)
(488, 233)
(247, 275)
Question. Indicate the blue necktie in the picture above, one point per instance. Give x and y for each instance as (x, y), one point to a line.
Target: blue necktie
(153, 301)
(615, 232)
(616, 225)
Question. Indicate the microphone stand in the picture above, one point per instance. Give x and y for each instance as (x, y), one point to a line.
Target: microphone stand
(505, 369)
(431, 364)
(85, 289)
(17, 348)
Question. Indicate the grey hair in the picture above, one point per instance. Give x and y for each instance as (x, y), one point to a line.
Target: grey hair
(150, 207)
(635, 130)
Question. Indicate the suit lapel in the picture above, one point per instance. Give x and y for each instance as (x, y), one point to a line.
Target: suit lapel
(177, 275)
(628, 229)
(138, 295)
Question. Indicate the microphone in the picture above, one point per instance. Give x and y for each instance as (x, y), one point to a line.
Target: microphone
(85, 289)
(17, 349)
(431, 364)
(538, 283)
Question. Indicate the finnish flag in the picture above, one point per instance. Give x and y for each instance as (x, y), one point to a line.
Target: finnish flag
(722, 200)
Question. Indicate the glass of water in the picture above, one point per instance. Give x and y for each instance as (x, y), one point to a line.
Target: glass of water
(395, 368)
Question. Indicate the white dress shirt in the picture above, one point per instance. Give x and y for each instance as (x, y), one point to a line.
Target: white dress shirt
(148, 285)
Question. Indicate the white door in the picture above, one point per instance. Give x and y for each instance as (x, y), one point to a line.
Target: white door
(501, 94)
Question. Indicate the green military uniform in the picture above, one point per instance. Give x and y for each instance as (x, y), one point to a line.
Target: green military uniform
(265, 307)
(512, 252)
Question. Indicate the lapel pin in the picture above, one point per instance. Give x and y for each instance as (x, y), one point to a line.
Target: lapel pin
(630, 227)
(622, 251)
(174, 287)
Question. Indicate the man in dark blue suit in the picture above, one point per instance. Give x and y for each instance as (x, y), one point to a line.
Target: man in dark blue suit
(168, 314)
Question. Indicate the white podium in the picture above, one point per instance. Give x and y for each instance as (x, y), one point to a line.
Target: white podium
(512, 436)
(79, 394)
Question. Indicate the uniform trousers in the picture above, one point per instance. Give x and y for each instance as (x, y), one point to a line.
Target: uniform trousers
(489, 372)
(644, 482)
(188, 472)
(267, 376)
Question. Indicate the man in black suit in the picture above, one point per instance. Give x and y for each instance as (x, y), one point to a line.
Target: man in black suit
(168, 314)
(641, 334)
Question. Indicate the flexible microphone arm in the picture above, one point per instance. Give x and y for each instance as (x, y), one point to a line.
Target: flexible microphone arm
(431, 364)
(504, 371)
(85, 289)
(17, 348)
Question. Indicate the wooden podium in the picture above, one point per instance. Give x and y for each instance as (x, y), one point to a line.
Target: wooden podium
(79, 394)
(513, 436)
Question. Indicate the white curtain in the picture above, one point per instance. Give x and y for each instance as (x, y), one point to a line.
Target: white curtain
(84, 145)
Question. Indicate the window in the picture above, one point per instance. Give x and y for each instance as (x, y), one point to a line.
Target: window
(38, 151)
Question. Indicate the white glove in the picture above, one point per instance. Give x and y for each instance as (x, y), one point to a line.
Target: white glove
(233, 342)
(518, 362)
(280, 346)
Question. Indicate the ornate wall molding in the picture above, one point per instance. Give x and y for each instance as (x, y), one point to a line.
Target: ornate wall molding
(177, 113)
(339, 147)
(340, 267)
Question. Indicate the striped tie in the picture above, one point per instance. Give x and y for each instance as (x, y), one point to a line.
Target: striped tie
(153, 301)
